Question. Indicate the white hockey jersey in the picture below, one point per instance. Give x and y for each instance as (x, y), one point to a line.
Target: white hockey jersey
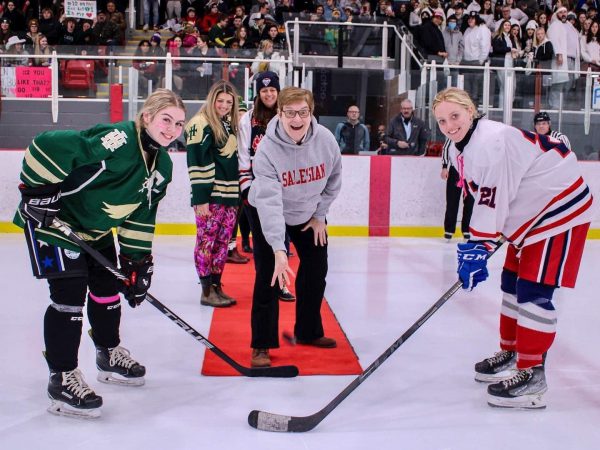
(526, 186)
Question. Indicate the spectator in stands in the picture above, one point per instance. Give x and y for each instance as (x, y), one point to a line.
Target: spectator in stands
(175, 47)
(42, 48)
(590, 48)
(15, 47)
(49, 26)
(542, 20)
(69, 36)
(202, 73)
(218, 33)
(351, 135)
(278, 39)
(118, 18)
(174, 10)
(432, 39)
(458, 11)
(486, 14)
(147, 68)
(283, 10)
(257, 30)
(151, 14)
(380, 145)
(211, 17)
(477, 43)
(87, 40)
(407, 134)
(262, 12)
(32, 36)
(16, 17)
(565, 42)
(243, 40)
(106, 31)
(190, 17)
(516, 13)
(503, 52)
(543, 55)
(235, 23)
(454, 44)
(5, 33)
(529, 7)
(506, 16)
(266, 52)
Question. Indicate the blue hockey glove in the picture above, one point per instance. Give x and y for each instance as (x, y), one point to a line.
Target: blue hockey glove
(472, 264)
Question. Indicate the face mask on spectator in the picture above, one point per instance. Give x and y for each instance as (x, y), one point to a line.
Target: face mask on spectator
(452, 26)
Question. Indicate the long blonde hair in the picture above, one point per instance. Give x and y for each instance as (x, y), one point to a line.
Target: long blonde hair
(456, 96)
(156, 102)
(210, 113)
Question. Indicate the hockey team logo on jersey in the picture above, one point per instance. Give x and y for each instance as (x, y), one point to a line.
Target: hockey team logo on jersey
(114, 140)
(71, 254)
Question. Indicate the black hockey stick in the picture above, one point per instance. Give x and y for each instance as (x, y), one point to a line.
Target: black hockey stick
(279, 371)
(265, 421)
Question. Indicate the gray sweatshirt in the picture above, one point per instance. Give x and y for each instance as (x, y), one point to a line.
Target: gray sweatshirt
(294, 182)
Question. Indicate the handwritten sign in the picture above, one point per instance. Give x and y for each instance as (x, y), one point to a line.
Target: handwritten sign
(80, 9)
(27, 82)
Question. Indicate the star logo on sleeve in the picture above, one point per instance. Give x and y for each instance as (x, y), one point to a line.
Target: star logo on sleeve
(48, 262)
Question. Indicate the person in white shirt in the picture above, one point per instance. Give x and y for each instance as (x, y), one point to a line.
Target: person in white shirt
(477, 45)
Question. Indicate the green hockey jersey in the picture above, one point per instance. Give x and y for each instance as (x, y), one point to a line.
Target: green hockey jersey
(105, 183)
(213, 170)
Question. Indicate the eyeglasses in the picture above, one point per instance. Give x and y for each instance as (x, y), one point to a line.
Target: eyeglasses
(291, 113)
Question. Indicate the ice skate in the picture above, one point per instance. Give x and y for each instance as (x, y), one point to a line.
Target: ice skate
(497, 368)
(72, 397)
(523, 390)
(115, 366)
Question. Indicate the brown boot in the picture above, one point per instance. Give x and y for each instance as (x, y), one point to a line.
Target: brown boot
(219, 290)
(260, 358)
(212, 299)
(234, 257)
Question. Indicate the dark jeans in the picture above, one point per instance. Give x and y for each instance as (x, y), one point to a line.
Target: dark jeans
(310, 286)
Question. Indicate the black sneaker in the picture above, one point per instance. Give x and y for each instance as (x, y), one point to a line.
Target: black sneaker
(115, 366)
(285, 295)
(497, 368)
(71, 396)
(523, 390)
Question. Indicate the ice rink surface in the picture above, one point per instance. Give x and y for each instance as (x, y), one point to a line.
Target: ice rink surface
(422, 397)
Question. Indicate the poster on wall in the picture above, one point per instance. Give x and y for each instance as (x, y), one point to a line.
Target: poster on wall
(26, 82)
(80, 9)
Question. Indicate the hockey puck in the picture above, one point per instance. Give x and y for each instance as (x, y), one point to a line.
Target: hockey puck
(289, 337)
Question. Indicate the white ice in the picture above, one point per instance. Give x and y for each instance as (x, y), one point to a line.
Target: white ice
(422, 397)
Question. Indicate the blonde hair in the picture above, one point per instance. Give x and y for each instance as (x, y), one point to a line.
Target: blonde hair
(293, 95)
(210, 113)
(157, 101)
(456, 96)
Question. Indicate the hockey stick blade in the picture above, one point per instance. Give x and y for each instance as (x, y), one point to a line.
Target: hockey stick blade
(265, 421)
(275, 372)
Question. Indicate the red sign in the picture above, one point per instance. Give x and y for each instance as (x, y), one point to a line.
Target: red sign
(33, 82)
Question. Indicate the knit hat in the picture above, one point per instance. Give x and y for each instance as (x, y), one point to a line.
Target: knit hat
(531, 25)
(155, 38)
(267, 79)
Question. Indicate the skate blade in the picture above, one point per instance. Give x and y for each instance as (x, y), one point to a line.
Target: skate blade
(59, 408)
(114, 378)
(525, 402)
(494, 378)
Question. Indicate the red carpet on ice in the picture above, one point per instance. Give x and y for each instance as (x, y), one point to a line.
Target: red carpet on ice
(230, 331)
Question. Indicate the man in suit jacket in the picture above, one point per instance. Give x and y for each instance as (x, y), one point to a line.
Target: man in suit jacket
(407, 134)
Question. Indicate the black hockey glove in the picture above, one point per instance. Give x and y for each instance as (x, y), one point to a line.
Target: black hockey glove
(40, 204)
(139, 277)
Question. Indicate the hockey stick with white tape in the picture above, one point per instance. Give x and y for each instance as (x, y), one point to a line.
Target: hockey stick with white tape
(277, 422)
(278, 372)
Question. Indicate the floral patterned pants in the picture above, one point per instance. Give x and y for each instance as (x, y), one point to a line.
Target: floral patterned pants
(212, 236)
